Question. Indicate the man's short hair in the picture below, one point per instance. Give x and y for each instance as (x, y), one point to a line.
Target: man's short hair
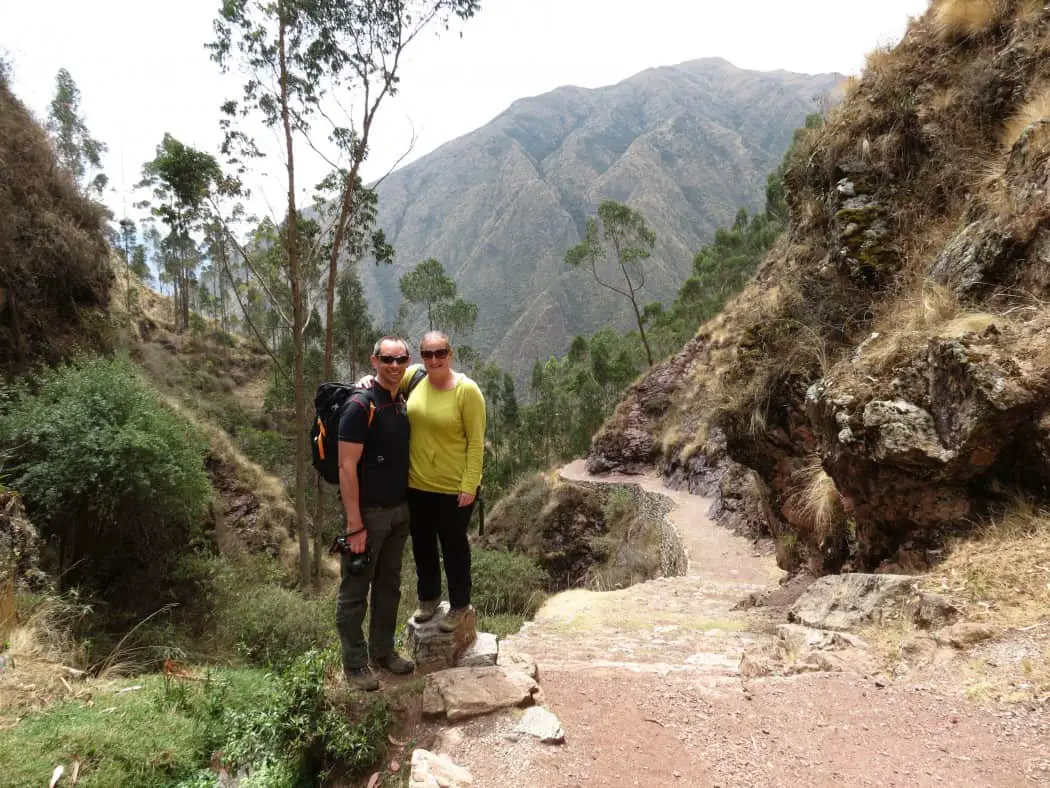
(381, 340)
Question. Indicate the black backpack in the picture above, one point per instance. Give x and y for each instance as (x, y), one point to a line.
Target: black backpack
(329, 402)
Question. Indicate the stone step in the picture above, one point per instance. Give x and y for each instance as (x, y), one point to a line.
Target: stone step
(432, 649)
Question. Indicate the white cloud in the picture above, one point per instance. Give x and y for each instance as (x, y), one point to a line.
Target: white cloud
(143, 70)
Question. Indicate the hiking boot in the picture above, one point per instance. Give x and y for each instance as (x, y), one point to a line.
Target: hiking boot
(452, 619)
(395, 663)
(362, 678)
(426, 610)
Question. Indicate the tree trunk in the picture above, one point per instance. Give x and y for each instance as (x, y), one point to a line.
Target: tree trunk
(318, 535)
(301, 525)
(641, 330)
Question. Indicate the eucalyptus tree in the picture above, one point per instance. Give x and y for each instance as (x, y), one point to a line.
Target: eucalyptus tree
(457, 317)
(376, 34)
(623, 232)
(128, 243)
(352, 322)
(78, 151)
(294, 52)
(428, 285)
(181, 178)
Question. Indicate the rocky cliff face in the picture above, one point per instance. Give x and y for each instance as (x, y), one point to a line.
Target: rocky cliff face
(685, 145)
(885, 379)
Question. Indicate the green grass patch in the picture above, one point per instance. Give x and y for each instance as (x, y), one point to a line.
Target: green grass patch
(281, 730)
(154, 736)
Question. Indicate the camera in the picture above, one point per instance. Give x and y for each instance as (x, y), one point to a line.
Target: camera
(357, 563)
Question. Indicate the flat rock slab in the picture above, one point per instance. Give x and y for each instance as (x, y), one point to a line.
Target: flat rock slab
(843, 602)
(516, 660)
(796, 640)
(430, 770)
(484, 651)
(966, 634)
(543, 724)
(459, 693)
(433, 649)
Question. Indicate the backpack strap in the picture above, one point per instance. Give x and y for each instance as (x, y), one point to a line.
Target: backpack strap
(366, 397)
(417, 378)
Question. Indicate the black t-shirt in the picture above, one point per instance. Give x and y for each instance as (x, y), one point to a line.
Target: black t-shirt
(382, 472)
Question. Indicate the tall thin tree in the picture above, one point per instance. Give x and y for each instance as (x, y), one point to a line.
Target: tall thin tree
(622, 231)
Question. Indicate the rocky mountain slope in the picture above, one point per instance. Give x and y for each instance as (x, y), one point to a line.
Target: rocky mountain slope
(885, 379)
(685, 145)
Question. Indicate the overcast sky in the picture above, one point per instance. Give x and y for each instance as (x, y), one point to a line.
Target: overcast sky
(143, 71)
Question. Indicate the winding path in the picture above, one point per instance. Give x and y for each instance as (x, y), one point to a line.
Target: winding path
(645, 681)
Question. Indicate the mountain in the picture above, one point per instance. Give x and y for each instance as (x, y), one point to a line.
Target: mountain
(685, 145)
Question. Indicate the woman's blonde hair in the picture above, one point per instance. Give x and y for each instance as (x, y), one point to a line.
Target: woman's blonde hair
(436, 335)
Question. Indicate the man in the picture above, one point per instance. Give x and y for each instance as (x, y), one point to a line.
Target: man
(373, 481)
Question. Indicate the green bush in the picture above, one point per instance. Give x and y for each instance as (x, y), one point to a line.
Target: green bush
(275, 730)
(618, 507)
(242, 612)
(300, 731)
(109, 473)
(506, 583)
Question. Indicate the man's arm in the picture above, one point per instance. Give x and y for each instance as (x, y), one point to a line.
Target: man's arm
(349, 489)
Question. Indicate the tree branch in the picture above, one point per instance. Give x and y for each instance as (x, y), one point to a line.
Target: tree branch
(251, 324)
(248, 264)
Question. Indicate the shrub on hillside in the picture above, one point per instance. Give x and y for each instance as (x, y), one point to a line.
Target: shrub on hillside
(240, 610)
(108, 474)
(301, 734)
(506, 583)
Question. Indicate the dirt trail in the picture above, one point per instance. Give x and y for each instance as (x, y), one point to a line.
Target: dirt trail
(646, 684)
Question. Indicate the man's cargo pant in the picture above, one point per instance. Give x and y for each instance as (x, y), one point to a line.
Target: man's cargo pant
(387, 528)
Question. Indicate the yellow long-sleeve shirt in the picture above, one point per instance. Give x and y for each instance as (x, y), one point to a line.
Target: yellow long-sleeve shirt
(447, 444)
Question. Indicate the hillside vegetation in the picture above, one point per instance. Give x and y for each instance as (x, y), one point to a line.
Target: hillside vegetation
(883, 382)
(54, 271)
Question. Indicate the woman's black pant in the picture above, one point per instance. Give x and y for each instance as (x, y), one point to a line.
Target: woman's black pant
(434, 518)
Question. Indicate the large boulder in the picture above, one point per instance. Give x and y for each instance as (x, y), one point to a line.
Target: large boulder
(846, 601)
(920, 450)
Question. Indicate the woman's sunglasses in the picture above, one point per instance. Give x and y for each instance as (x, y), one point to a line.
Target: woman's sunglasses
(439, 353)
(394, 359)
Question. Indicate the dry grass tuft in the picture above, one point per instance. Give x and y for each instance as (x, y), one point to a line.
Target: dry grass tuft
(1038, 108)
(47, 635)
(954, 19)
(817, 502)
(935, 312)
(1002, 574)
(8, 608)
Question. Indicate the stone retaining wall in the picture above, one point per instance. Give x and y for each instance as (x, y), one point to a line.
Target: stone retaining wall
(653, 507)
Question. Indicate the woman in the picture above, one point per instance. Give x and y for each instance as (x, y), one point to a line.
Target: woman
(446, 413)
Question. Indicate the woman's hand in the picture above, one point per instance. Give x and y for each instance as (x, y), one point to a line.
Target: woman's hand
(466, 499)
(366, 382)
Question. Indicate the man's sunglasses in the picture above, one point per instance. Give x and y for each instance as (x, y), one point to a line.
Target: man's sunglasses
(394, 359)
(439, 353)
